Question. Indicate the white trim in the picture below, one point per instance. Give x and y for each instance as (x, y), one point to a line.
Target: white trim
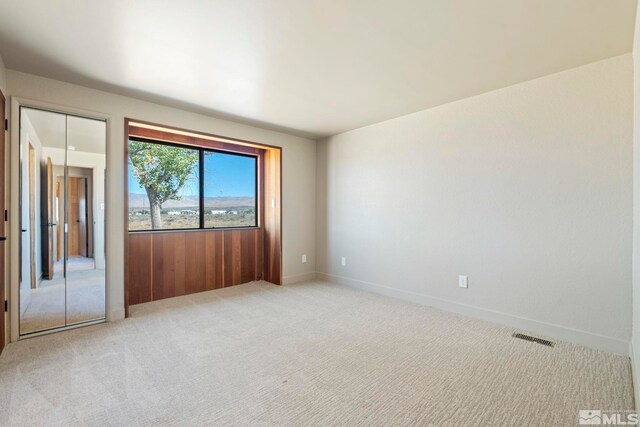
(297, 278)
(635, 380)
(24, 304)
(115, 315)
(13, 226)
(563, 333)
(62, 328)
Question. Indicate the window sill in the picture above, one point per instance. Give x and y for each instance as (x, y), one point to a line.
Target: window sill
(191, 230)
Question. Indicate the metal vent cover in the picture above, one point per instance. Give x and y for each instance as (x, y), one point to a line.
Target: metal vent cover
(533, 339)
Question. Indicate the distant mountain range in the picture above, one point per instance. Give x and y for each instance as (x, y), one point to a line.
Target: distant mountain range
(137, 201)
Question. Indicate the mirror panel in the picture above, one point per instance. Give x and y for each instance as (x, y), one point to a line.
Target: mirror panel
(42, 277)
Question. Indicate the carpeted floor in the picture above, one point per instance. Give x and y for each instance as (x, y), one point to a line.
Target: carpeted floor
(59, 302)
(306, 354)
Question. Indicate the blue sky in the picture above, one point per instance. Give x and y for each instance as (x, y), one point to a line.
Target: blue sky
(225, 176)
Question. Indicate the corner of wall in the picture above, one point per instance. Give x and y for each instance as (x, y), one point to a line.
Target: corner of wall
(634, 375)
(3, 78)
(635, 331)
(321, 204)
(299, 278)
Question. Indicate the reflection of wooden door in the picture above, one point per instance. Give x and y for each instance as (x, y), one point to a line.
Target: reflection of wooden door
(60, 216)
(83, 241)
(32, 214)
(2, 236)
(77, 203)
(47, 221)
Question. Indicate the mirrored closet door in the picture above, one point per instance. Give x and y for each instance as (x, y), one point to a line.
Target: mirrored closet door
(62, 201)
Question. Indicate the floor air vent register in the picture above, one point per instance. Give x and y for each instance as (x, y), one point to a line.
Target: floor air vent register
(532, 339)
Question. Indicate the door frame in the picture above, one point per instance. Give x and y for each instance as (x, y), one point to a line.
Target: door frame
(13, 228)
(4, 229)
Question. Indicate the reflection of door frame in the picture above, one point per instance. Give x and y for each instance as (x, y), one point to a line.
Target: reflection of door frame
(47, 220)
(32, 214)
(17, 161)
(60, 220)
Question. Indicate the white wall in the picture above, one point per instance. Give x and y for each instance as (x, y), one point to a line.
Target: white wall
(298, 169)
(3, 81)
(527, 190)
(635, 346)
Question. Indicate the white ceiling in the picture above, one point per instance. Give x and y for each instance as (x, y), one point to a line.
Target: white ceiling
(314, 67)
(54, 130)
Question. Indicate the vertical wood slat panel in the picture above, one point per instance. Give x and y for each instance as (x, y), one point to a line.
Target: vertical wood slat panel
(236, 260)
(158, 267)
(219, 259)
(268, 215)
(164, 269)
(210, 262)
(247, 257)
(227, 264)
(272, 212)
(276, 247)
(195, 266)
(165, 265)
(140, 271)
(260, 237)
(179, 247)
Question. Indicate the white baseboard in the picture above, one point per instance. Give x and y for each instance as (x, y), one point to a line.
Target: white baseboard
(115, 315)
(634, 376)
(563, 333)
(25, 300)
(297, 278)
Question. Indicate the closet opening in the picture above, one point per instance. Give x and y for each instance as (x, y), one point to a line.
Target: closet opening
(62, 220)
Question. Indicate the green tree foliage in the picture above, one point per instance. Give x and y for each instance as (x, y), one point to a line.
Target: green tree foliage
(162, 170)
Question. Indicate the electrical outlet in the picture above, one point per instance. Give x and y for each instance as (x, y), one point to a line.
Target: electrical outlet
(463, 282)
(343, 261)
(304, 258)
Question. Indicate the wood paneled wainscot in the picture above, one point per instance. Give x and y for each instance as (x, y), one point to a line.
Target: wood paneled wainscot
(165, 264)
(174, 263)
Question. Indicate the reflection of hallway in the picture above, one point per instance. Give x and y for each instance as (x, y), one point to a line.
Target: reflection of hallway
(84, 297)
(74, 264)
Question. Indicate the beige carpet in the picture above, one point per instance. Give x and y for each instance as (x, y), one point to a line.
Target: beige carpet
(57, 303)
(306, 354)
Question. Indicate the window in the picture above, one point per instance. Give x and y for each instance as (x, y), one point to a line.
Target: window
(229, 190)
(174, 187)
